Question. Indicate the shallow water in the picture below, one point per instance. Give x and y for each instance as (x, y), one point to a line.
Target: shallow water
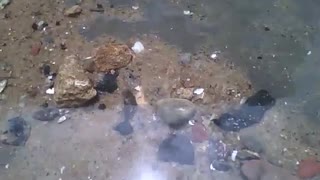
(275, 43)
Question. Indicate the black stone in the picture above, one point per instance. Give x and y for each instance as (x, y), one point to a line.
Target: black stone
(34, 26)
(259, 57)
(176, 148)
(108, 83)
(250, 113)
(124, 128)
(102, 106)
(130, 105)
(111, 6)
(58, 23)
(99, 6)
(17, 133)
(47, 114)
(46, 70)
(266, 28)
(221, 166)
(45, 105)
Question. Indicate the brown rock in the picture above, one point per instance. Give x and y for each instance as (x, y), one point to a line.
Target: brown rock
(73, 11)
(199, 133)
(185, 93)
(262, 170)
(35, 49)
(73, 88)
(309, 168)
(112, 56)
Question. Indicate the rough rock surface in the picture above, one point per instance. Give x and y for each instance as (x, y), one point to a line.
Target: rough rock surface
(175, 112)
(112, 56)
(72, 87)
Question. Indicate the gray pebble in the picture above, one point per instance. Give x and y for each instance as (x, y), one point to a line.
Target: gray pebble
(46, 114)
(175, 112)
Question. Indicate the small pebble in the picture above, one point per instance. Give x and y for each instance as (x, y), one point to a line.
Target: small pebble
(138, 47)
(50, 91)
(102, 106)
(46, 70)
(62, 119)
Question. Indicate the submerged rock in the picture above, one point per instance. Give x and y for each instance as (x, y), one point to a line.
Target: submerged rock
(176, 148)
(3, 85)
(199, 133)
(17, 133)
(73, 11)
(220, 166)
(108, 83)
(262, 170)
(247, 155)
(112, 56)
(129, 105)
(46, 114)
(124, 128)
(175, 112)
(72, 86)
(250, 113)
(309, 168)
(4, 3)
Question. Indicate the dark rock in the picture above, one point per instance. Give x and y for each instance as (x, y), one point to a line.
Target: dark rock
(58, 23)
(247, 155)
(34, 26)
(47, 114)
(250, 113)
(124, 128)
(175, 112)
(176, 148)
(251, 143)
(45, 105)
(266, 28)
(108, 83)
(17, 133)
(102, 106)
(63, 46)
(99, 6)
(46, 70)
(221, 165)
(130, 105)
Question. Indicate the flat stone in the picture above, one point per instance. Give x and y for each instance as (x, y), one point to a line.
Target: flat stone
(72, 87)
(73, 11)
(124, 128)
(112, 56)
(249, 113)
(46, 114)
(175, 112)
(176, 148)
(17, 133)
